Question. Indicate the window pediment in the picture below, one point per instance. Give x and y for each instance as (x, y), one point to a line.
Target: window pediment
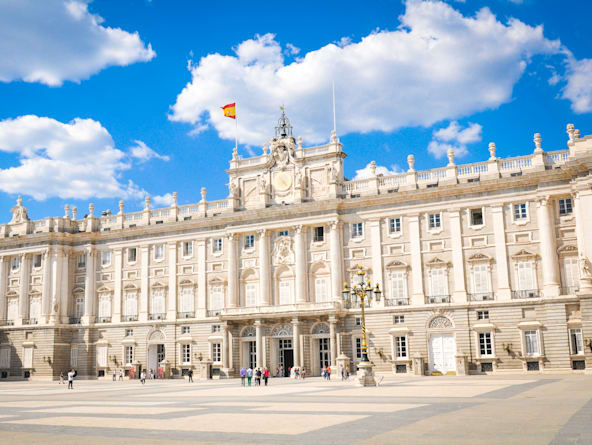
(524, 254)
(567, 250)
(437, 262)
(396, 264)
(479, 257)
(158, 285)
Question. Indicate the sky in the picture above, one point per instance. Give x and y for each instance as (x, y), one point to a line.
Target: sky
(102, 101)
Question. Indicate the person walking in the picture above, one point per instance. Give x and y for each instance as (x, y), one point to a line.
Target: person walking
(342, 374)
(258, 377)
(328, 372)
(71, 379)
(303, 373)
(61, 377)
(265, 375)
(190, 374)
(243, 376)
(249, 375)
(324, 372)
(143, 377)
(115, 375)
(121, 375)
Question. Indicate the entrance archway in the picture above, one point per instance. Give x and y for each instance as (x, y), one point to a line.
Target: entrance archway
(441, 346)
(156, 351)
(282, 348)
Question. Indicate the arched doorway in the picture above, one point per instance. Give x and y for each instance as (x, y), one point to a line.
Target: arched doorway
(320, 348)
(441, 346)
(156, 351)
(282, 349)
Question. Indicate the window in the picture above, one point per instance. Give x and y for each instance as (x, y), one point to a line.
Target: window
(37, 261)
(358, 348)
(398, 285)
(186, 353)
(216, 352)
(321, 291)
(215, 328)
(188, 248)
(571, 273)
(482, 315)
(249, 241)
(358, 321)
(131, 304)
(395, 225)
(565, 207)
(129, 332)
(35, 309)
(283, 233)
(217, 297)
(128, 355)
(15, 263)
(531, 339)
(81, 261)
(357, 230)
(250, 294)
(434, 221)
(485, 344)
(401, 344)
(185, 329)
(12, 309)
(187, 300)
(132, 255)
(79, 306)
(439, 282)
(158, 303)
(217, 245)
(159, 252)
(576, 341)
(285, 292)
(106, 258)
(104, 305)
(319, 234)
(4, 358)
(480, 279)
(476, 217)
(399, 319)
(520, 211)
(525, 275)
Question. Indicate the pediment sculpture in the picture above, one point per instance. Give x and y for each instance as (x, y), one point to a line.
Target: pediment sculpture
(283, 252)
(19, 212)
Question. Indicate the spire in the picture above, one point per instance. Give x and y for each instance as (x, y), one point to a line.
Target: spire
(283, 129)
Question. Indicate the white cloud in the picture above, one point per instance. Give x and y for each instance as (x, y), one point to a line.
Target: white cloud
(579, 85)
(366, 172)
(437, 65)
(291, 49)
(52, 41)
(143, 153)
(165, 200)
(454, 137)
(73, 160)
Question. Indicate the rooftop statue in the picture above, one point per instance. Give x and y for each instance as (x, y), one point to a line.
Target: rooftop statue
(19, 212)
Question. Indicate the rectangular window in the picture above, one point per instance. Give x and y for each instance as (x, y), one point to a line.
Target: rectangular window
(358, 348)
(5, 358)
(159, 252)
(186, 353)
(395, 225)
(476, 217)
(37, 261)
(525, 275)
(398, 285)
(520, 211)
(439, 282)
(129, 332)
(128, 355)
(79, 306)
(215, 328)
(319, 234)
(571, 274)
(434, 221)
(397, 319)
(186, 329)
(158, 301)
(321, 290)
(188, 248)
(106, 258)
(285, 291)
(251, 294)
(216, 297)
(401, 343)
(131, 304)
(283, 233)
(565, 207)
(249, 241)
(217, 245)
(485, 345)
(216, 352)
(132, 255)
(531, 339)
(81, 261)
(187, 299)
(357, 230)
(480, 279)
(358, 321)
(482, 315)
(576, 341)
(15, 263)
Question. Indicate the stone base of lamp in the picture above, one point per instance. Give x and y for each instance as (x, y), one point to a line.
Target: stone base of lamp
(365, 374)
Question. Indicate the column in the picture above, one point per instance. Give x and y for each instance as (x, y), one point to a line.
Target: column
(89, 286)
(64, 286)
(144, 275)
(172, 294)
(264, 268)
(416, 267)
(3, 307)
(548, 248)
(232, 271)
(46, 291)
(296, 342)
(229, 347)
(259, 340)
(336, 260)
(201, 279)
(24, 288)
(225, 357)
(301, 275)
(458, 261)
(501, 253)
(56, 285)
(117, 291)
(333, 341)
(376, 240)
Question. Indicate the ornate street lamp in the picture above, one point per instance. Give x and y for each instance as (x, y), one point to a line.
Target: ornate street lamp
(363, 291)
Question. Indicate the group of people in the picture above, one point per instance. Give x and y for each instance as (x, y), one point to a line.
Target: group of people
(247, 374)
(326, 372)
(115, 375)
(71, 374)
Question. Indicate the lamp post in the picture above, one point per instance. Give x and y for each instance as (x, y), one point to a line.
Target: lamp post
(363, 291)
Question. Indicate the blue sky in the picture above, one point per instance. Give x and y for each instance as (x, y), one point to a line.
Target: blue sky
(105, 100)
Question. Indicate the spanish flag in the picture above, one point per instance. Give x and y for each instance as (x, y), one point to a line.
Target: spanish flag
(230, 110)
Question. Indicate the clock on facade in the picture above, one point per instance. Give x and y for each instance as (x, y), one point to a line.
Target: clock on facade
(282, 181)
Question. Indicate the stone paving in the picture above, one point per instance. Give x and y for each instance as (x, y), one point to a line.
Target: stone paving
(550, 409)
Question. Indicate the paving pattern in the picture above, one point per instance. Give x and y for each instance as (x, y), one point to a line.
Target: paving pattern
(409, 410)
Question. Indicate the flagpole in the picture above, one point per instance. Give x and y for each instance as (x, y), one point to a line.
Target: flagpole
(235, 129)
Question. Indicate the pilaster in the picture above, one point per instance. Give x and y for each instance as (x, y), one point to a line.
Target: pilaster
(201, 278)
(416, 263)
(117, 285)
(144, 277)
(296, 341)
(333, 341)
(548, 248)
(46, 291)
(501, 253)
(376, 240)
(458, 262)
(172, 291)
(3, 273)
(89, 286)
(301, 275)
(24, 288)
(259, 340)
(264, 268)
(336, 260)
(232, 271)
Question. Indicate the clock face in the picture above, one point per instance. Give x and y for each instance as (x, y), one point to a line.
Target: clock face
(282, 181)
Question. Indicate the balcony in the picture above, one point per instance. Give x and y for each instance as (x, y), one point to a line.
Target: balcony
(156, 316)
(186, 315)
(74, 320)
(25, 321)
(275, 309)
(213, 312)
(130, 318)
(437, 299)
(104, 320)
(396, 301)
(482, 296)
(569, 290)
(9, 322)
(529, 293)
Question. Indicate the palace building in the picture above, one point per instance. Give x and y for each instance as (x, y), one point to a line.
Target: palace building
(483, 267)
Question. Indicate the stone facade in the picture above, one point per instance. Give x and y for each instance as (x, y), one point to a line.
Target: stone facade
(484, 268)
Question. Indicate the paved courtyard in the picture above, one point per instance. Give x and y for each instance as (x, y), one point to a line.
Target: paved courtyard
(552, 409)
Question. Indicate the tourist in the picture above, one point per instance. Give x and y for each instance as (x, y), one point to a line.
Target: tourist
(328, 372)
(121, 375)
(249, 375)
(190, 374)
(265, 375)
(71, 375)
(115, 375)
(143, 377)
(303, 373)
(61, 377)
(243, 376)
(281, 373)
(342, 374)
(324, 372)
(258, 377)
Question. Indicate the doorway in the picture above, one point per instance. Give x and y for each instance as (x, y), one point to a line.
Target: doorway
(286, 355)
(156, 354)
(324, 353)
(442, 350)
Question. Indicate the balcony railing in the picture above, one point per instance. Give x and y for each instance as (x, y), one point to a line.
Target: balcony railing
(569, 290)
(396, 301)
(213, 312)
(25, 321)
(130, 318)
(74, 320)
(482, 296)
(435, 299)
(9, 322)
(156, 316)
(529, 293)
(104, 319)
(186, 315)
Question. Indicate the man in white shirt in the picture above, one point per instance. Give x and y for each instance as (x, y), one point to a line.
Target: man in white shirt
(71, 379)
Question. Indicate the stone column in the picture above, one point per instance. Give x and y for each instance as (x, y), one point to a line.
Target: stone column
(46, 291)
(201, 279)
(376, 240)
(336, 260)
(458, 262)
(64, 285)
(548, 248)
(117, 290)
(24, 288)
(229, 341)
(3, 273)
(172, 291)
(264, 268)
(232, 271)
(225, 357)
(301, 275)
(259, 344)
(56, 285)
(501, 253)
(333, 341)
(144, 276)
(416, 267)
(89, 287)
(296, 341)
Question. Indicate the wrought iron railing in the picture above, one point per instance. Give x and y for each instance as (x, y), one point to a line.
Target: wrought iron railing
(396, 301)
(435, 299)
(156, 316)
(74, 320)
(186, 315)
(482, 296)
(528, 293)
(104, 319)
